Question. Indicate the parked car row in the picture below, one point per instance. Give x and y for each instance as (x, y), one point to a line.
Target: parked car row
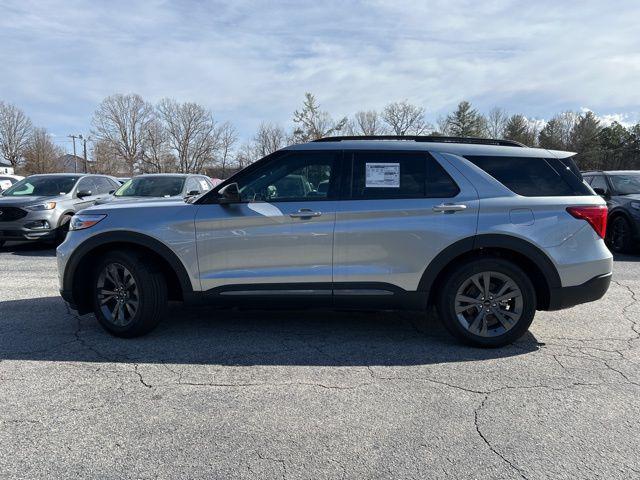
(40, 207)
(488, 231)
(7, 180)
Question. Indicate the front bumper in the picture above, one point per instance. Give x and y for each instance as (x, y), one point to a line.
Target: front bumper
(589, 291)
(22, 229)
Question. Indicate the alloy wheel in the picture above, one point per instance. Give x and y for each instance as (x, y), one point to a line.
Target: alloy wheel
(118, 295)
(489, 304)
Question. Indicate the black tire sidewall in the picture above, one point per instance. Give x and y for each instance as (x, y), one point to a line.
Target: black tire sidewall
(446, 304)
(151, 289)
(626, 246)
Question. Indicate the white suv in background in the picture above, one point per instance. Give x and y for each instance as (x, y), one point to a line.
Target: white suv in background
(489, 231)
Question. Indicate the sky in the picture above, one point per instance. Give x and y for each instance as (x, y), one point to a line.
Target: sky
(252, 61)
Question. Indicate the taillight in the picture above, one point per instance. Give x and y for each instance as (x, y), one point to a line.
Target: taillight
(596, 216)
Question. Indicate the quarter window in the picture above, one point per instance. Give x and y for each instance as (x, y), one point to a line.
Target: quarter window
(532, 177)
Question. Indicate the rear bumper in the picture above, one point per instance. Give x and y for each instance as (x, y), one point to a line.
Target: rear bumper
(589, 291)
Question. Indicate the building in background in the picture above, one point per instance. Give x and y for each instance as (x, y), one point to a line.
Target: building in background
(70, 163)
(5, 167)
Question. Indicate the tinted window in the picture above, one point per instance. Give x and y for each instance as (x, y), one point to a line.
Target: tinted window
(532, 177)
(86, 184)
(293, 177)
(399, 175)
(388, 175)
(439, 183)
(151, 186)
(103, 185)
(626, 184)
(42, 185)
(600, 182)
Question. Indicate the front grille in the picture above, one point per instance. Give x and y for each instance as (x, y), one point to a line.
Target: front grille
(9, 214)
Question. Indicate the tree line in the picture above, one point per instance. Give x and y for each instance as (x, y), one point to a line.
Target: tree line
(130, 135)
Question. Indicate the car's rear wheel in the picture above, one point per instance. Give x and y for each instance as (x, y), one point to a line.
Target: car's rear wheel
(487, 303)
(619, 235)
(129, 295)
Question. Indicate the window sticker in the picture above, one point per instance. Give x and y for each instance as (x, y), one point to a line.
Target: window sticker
(382, 175)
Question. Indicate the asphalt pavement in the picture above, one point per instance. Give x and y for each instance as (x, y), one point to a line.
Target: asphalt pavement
(313, 394)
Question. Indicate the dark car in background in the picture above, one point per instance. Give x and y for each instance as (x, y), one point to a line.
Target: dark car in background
(621, 191)
(40, 207)
(161, 185)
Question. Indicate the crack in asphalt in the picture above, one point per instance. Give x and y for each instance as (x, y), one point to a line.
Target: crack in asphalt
(277, 460)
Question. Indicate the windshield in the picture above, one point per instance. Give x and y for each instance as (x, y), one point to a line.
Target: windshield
(151, 187)
(42, 186)
(626, 184)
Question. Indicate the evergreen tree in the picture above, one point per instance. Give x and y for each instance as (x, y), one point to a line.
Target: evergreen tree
(465, 121)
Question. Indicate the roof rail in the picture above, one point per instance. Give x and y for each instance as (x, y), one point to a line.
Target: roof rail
(426, 138)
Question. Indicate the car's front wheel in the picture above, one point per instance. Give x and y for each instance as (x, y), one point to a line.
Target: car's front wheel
(488, 302)
(129, 294)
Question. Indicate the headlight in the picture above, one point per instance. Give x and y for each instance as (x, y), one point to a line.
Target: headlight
(42, 206)
(635, 205)
(84, 220)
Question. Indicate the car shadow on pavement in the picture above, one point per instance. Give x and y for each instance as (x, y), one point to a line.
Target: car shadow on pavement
(620, 257)
(30, 249)
(42, 329)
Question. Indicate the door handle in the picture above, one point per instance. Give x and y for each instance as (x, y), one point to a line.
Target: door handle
(449, 208)
(305, 213)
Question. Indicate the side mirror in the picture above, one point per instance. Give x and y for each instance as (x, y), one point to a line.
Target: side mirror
(83, 193)
(229, 194)
(111, 192)
(601, 191)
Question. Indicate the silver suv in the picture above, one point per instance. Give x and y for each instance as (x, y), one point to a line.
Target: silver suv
(488, 231)
(40, 207)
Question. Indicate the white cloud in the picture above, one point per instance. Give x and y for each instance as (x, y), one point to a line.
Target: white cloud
(251, 61)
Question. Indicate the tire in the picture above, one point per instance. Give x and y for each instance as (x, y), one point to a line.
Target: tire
(619, 235)
(484, 323)
(63, 229)
(141, 289)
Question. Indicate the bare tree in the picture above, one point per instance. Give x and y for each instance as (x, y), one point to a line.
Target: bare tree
(314, 123)
(192, 133)
(106, 159)
(268, 139)
(228, 136)
(245, 155)
(122, 120)
(404, 118)
(41, 154)
(156, 156)
(367, 123)
(496, 122)
(15, 129)
(557, 133)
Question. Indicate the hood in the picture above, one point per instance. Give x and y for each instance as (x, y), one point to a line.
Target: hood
(114, 199)
(26, 200)
(135, 204)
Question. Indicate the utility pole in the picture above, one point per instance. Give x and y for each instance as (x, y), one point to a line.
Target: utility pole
(84, 151)
(75, 159)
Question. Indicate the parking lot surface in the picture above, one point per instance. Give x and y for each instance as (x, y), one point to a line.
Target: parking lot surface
(245, 394)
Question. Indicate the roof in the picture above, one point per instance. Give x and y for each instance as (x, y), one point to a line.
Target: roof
(611, 172)
(60, 174)
(5, 163)
(462, 149)
(180, 175)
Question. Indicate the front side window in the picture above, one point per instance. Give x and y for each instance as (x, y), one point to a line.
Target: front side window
(600, 182)
(40, 185)
(532, 177)
(626, 184)
(151, 187)
(295, 176)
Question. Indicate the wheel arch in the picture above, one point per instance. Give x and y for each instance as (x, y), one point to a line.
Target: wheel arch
(536, 264)
(79, 267)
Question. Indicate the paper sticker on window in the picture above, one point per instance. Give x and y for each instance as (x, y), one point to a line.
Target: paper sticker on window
(382, 175)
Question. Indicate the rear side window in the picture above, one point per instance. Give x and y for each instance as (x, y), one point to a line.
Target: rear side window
(380, 175)
(532, 177)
